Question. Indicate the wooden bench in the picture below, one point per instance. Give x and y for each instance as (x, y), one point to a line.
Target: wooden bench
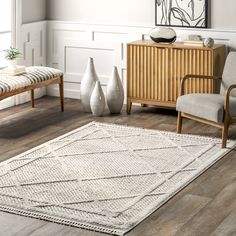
(35, 77)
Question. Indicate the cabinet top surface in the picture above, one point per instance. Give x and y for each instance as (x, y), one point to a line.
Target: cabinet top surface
(173, 45)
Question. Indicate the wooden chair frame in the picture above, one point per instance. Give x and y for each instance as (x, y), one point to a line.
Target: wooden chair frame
(227, 118)
(57, 80)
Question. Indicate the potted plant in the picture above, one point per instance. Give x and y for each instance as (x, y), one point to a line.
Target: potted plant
(11, 54)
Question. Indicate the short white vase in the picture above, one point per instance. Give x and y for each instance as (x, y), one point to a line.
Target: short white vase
(12, 64)
(87, 85)
(97, 100)
(115, 92)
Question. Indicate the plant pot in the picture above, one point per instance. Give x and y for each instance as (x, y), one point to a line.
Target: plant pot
(12, 63)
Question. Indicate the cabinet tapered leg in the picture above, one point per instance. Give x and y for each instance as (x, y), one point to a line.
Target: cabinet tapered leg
(128, 106)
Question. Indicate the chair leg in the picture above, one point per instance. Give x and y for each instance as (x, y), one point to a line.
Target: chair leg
(225, 133)
(32, 97)
(61, 89)
(179, 123)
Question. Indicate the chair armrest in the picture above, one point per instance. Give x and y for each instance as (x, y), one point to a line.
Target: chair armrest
(189, 76)
(227, 96)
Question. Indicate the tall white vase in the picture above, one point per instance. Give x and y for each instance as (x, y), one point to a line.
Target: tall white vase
(97, 100)
(87, 85)
(115, 92)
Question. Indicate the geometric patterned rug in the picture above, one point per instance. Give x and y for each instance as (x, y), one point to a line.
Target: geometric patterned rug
(103, 177)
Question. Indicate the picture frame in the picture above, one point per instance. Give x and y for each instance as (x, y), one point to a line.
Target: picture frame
(181, 13)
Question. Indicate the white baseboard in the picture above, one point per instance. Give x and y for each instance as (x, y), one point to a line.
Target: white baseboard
(25, 97)
(53, 91)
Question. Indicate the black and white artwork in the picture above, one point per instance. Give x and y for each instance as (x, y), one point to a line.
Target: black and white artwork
(182, 13)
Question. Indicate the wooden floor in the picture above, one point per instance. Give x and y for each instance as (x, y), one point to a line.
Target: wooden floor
(205, 207)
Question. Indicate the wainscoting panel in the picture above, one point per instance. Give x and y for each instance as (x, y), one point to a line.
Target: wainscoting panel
(32, 43)
(70, 44)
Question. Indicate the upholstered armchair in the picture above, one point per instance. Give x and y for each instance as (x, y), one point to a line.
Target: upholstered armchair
(218, 110)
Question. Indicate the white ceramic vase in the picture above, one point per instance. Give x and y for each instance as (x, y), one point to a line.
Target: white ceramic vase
(87, 85)
(163, 35)
(115, 92)
(12, 64)
(97, 100)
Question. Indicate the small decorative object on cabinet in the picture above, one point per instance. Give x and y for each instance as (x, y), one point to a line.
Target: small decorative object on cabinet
(154, 71)
(97, 100)
(196, 37)
(194, 43)
(163, 35)
(87, 85)
(115, 92)
(209, 42)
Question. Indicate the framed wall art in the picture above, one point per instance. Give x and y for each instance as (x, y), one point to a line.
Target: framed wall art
(181, 13)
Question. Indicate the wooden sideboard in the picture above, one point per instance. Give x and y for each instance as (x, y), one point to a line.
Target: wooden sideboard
(154, 71)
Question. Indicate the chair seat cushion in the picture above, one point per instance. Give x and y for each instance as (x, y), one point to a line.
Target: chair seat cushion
(33, 75)
(206, 106)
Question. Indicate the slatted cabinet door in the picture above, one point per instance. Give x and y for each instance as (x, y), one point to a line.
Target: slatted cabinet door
(190, 61)
(146, 81)
(154, 71)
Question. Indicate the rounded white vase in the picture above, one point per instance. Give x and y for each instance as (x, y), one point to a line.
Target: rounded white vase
(115, 92)
(12, 64)
(163, 35)
(97, 100)
(87, 85)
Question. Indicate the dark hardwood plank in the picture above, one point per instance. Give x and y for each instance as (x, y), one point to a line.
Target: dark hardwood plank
(227, 227)
(168, 222)
(18, 224)
(206, 206)
(213, 214)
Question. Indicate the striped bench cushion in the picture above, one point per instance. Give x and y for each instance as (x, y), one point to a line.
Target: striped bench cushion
(33, 75)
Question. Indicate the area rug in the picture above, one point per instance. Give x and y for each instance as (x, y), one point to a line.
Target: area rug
(103, 177)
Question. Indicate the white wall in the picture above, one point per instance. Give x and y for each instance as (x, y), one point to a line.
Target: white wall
(119, 12)
(223, 14)
(33, 10)
(130, 12)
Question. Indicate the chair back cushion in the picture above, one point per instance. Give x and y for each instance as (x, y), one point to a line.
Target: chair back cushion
(229, 74)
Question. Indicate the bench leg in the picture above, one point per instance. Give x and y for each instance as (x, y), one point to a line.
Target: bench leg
(32, 97)
(61, 89)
